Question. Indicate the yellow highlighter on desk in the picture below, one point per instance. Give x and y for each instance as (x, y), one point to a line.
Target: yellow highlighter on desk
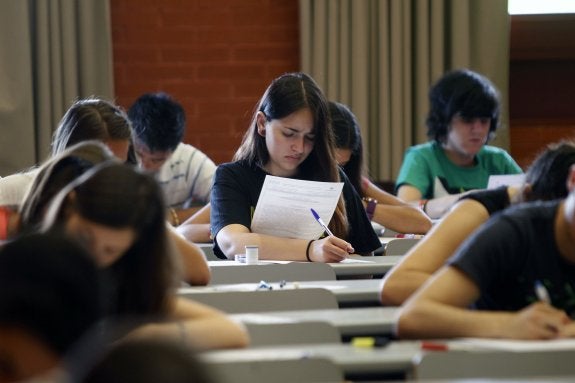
(369, 341)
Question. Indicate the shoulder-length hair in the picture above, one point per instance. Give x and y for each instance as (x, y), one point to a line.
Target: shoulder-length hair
(348, 136)
(91, 119)
(288, 94)
(54, 175)
(119, 196)
(462, 92)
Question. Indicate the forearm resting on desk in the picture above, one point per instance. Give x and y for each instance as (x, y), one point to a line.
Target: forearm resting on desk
(232, 240)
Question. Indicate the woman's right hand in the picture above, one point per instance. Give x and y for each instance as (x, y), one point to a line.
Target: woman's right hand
(330, 249)
(537, 321)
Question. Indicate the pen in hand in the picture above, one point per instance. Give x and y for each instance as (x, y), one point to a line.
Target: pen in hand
(318, 219)
(327, 230)
(542, 293)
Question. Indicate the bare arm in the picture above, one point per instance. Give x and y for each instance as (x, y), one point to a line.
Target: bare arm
(432, 251)
(408, 193)
(197, 227)
(182, 214)
(434, 208)
(438, 310)
(395, 214)
(194, 265)
(233, 238)
(199, 326)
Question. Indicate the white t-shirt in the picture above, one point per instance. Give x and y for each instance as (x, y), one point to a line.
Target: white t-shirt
(186, 177)
(13, 188)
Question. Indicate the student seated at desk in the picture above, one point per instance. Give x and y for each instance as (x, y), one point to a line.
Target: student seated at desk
(117, 213)
(545, 180)
(61, 169)
(289, 136)
(87, 119)
(518, 270)
(381, 207)
(463, 117)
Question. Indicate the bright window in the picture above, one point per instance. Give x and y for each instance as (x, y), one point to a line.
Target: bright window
(519, 7)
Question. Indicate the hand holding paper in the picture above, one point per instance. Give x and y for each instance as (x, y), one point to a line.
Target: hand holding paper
(284, 203)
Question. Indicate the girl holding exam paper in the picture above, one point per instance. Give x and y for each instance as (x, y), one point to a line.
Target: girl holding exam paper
(290, 137)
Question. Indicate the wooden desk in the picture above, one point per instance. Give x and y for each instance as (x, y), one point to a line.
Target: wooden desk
(363, 321)
(225, 272)
(493, 364)
(234, 272)
(309, 369)
(352, 292)
(405, 360)
(400, 246)
(208, 249)
(243, 301)
(393, 360)
(377, 265)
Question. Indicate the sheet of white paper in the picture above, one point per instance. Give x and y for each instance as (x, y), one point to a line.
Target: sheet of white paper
(283, 209)
(349, 260)
(505, 179)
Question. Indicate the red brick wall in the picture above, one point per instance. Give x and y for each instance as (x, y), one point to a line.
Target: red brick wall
(215, 56)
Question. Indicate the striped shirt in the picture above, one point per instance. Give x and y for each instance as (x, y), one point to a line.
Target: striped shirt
(186, 177)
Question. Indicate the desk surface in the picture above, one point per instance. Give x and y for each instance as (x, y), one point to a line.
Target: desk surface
(356, 265)
(377, 265)
(360, 292)
(396, 357)
(406, 357)
(365, 321)
(224, 272)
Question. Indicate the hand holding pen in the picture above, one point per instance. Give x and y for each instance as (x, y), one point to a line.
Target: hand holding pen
(333, 249)
(539, 320)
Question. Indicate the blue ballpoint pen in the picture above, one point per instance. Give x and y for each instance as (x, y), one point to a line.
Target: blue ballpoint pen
(318, 219)
(542, 293)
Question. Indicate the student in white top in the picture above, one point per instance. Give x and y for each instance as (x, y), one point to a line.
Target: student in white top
(184, 172)
(86, 119)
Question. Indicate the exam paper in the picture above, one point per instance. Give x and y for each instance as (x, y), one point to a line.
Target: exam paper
(505, 179)
(283, 209)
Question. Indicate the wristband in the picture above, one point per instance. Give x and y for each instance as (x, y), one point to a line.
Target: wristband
(307, 250)
(370, 207)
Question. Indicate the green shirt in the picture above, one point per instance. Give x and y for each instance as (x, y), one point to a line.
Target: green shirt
(427, 168)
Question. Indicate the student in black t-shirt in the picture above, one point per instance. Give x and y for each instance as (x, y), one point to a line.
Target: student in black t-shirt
(289, 136)
(502, 269)
(545, 180)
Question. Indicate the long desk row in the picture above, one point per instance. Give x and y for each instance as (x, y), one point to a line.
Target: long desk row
(235, 272)
(401, 360)
(297, 323)
(360, 321)
(273, 296)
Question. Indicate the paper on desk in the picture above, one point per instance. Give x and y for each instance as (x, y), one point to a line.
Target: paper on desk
(505, 179)
(283, 209)
(514, 345)
(355, 260)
